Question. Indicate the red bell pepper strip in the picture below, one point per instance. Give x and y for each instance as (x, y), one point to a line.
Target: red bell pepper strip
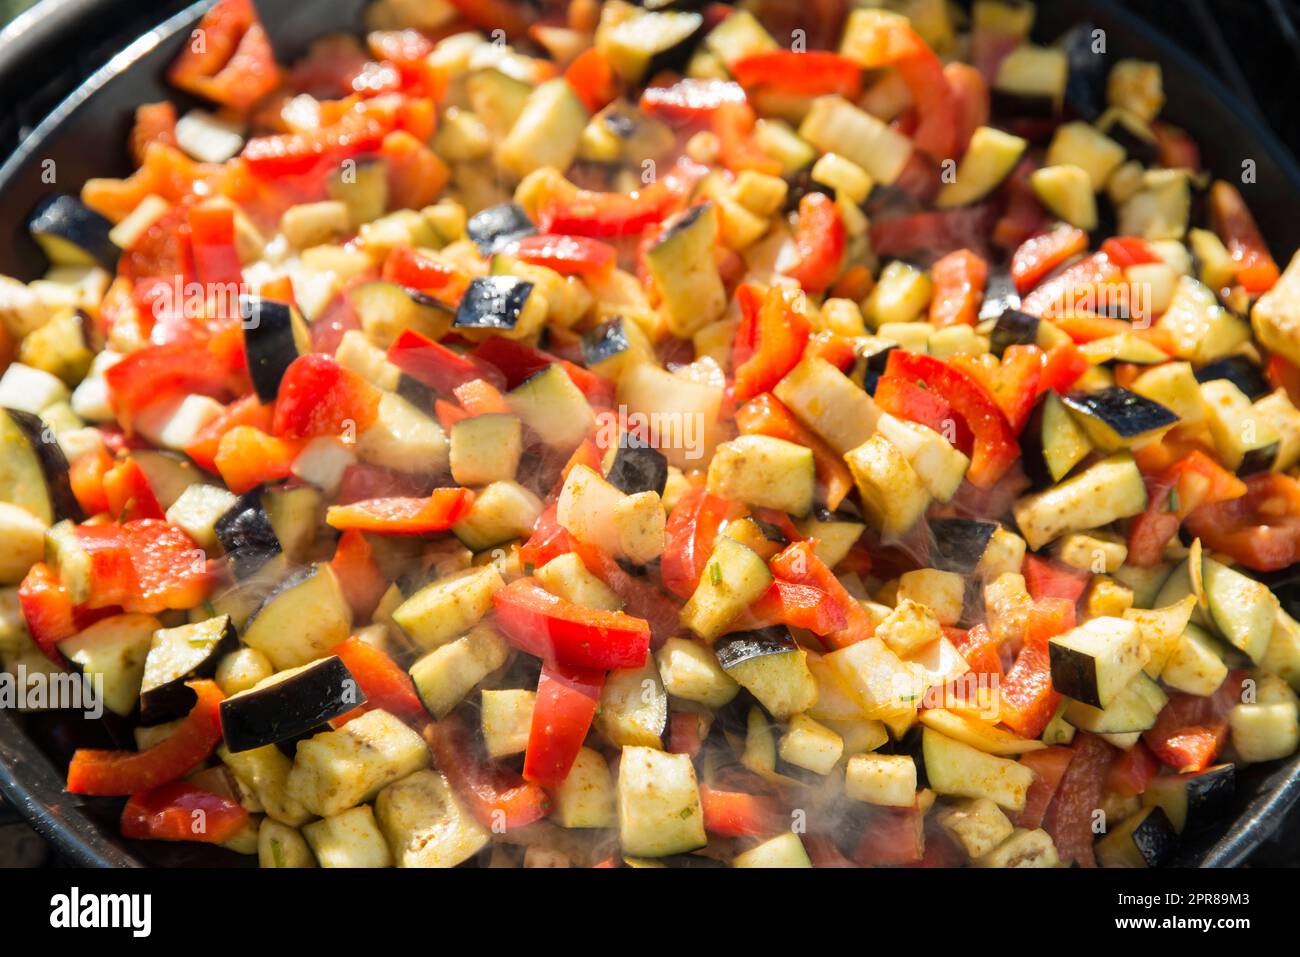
(111, 569)
(519, 361)
(416, 174)
(959, 279)
(970, 95)
(554, 629)
(549, 540)
(820, 239)
(171, 571)
(733, 124)
(1039, 255)
(1062, 366)
(320, 397)
(246, 457)
(912, 401)
(995, 447)
(592, 78)
(86, 477)
(359, 576)
(435, 365)
(442, 509)
(386, 685)
(154, 123)
(591, 213)
(1012, 382)
(1125, 251)
(891, 837)
(411, 269)
(1133, 771)
(1026, 697)
(1075, 294)
(690, 101)
(1286, 376)
(1231, 219)
(1048, 578)
(810, 73)
(1191, 729)
(234, 65)
(1260, 529)
(562, 714)
(1070, 819)
(765, 415)
(836, 349)
(495, 794)
(128, 493)
(798, 563)
(641, 598)
(157, 372)
(180, 811)
(1177, 149)
(212, 244)
(1049, 766)
(109, 773)
(480, 397)
(246, 411)
(796, 606)
(689, 535)
(737, 814)
(1172, 495)
(567, 255)
(48, 610)
(770, 339)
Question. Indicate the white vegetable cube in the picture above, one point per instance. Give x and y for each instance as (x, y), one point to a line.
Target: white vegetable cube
(633, 707)
(690, 671)
(586, 509)
(585, 798)
(639, 521)
(884, 685)
(940, 467)
(893, 495)
(1005, 552)
(859, 734)
(23, 535)
(764, 472)
(909, 627)
(279, 845)
(501, 512)
(174, 424)
(1024, 848)
(942, 592)
(486, 448)
(208, 138)
(783, 851)
(507, 716)
(954, 767)
(197, 510)
(568, 577)
(659, 809)
(734, 577)
(828, 402)
(349, 839)
(1264, 732)
(336, 770)
(977, 824)
(445, 675)
(425, 824)
(30, 390)
(885, 779)
(322, 462)
(810, 745)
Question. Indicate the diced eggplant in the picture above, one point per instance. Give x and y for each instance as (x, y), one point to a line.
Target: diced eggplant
(289, 705)
(684, 270)
(61, 348)
(771, 666)
(658, 803)
(1094, 662)
(385, 309)
(649, 41)
(1147, 839)
(425, 823)
(737, 36)
(486, 449)
(1243, 609)
(954, 767)
(834, 532)
(638, 468)
(494, 303)
(894, 496)
(301, 619)
(1133, 709)
(1132, 133)
(1013, 328)
(274, 336)
(610, 347)
(1085, 90)
(553, 407)
(178, 655)
(73, 234)
(33, 469)
(958, 544)
(623, 133)
(734, 577)
(1241, 371)
(1031, 81)
(1116, 418)
(1245, 442)
(989, 160)
(113, 651)
(496, 227)
(1191, 802)
(247, 535)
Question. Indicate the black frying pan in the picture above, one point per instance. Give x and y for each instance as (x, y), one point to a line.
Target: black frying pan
(85, 136)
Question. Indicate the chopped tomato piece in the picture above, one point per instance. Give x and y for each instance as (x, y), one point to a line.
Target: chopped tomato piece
(1048, 578)
(246, 411)
(980, 649)
(170, 568)
(416, 174)
(1070, 820)
(592, 78)
(320, 397)
(180, 811)
(1231, 218)
(229, 60)
(562, 715)
(212, 244)
(737, 814)
(1260, 529)
(690, 100)
(1049, 766)
(1133, 771)
(554, 629)
(109, 773)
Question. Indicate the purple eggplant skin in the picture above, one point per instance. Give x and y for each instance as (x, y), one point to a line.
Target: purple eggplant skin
(54, 465)
(295, 707)
(173, 699)
(495, 228)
